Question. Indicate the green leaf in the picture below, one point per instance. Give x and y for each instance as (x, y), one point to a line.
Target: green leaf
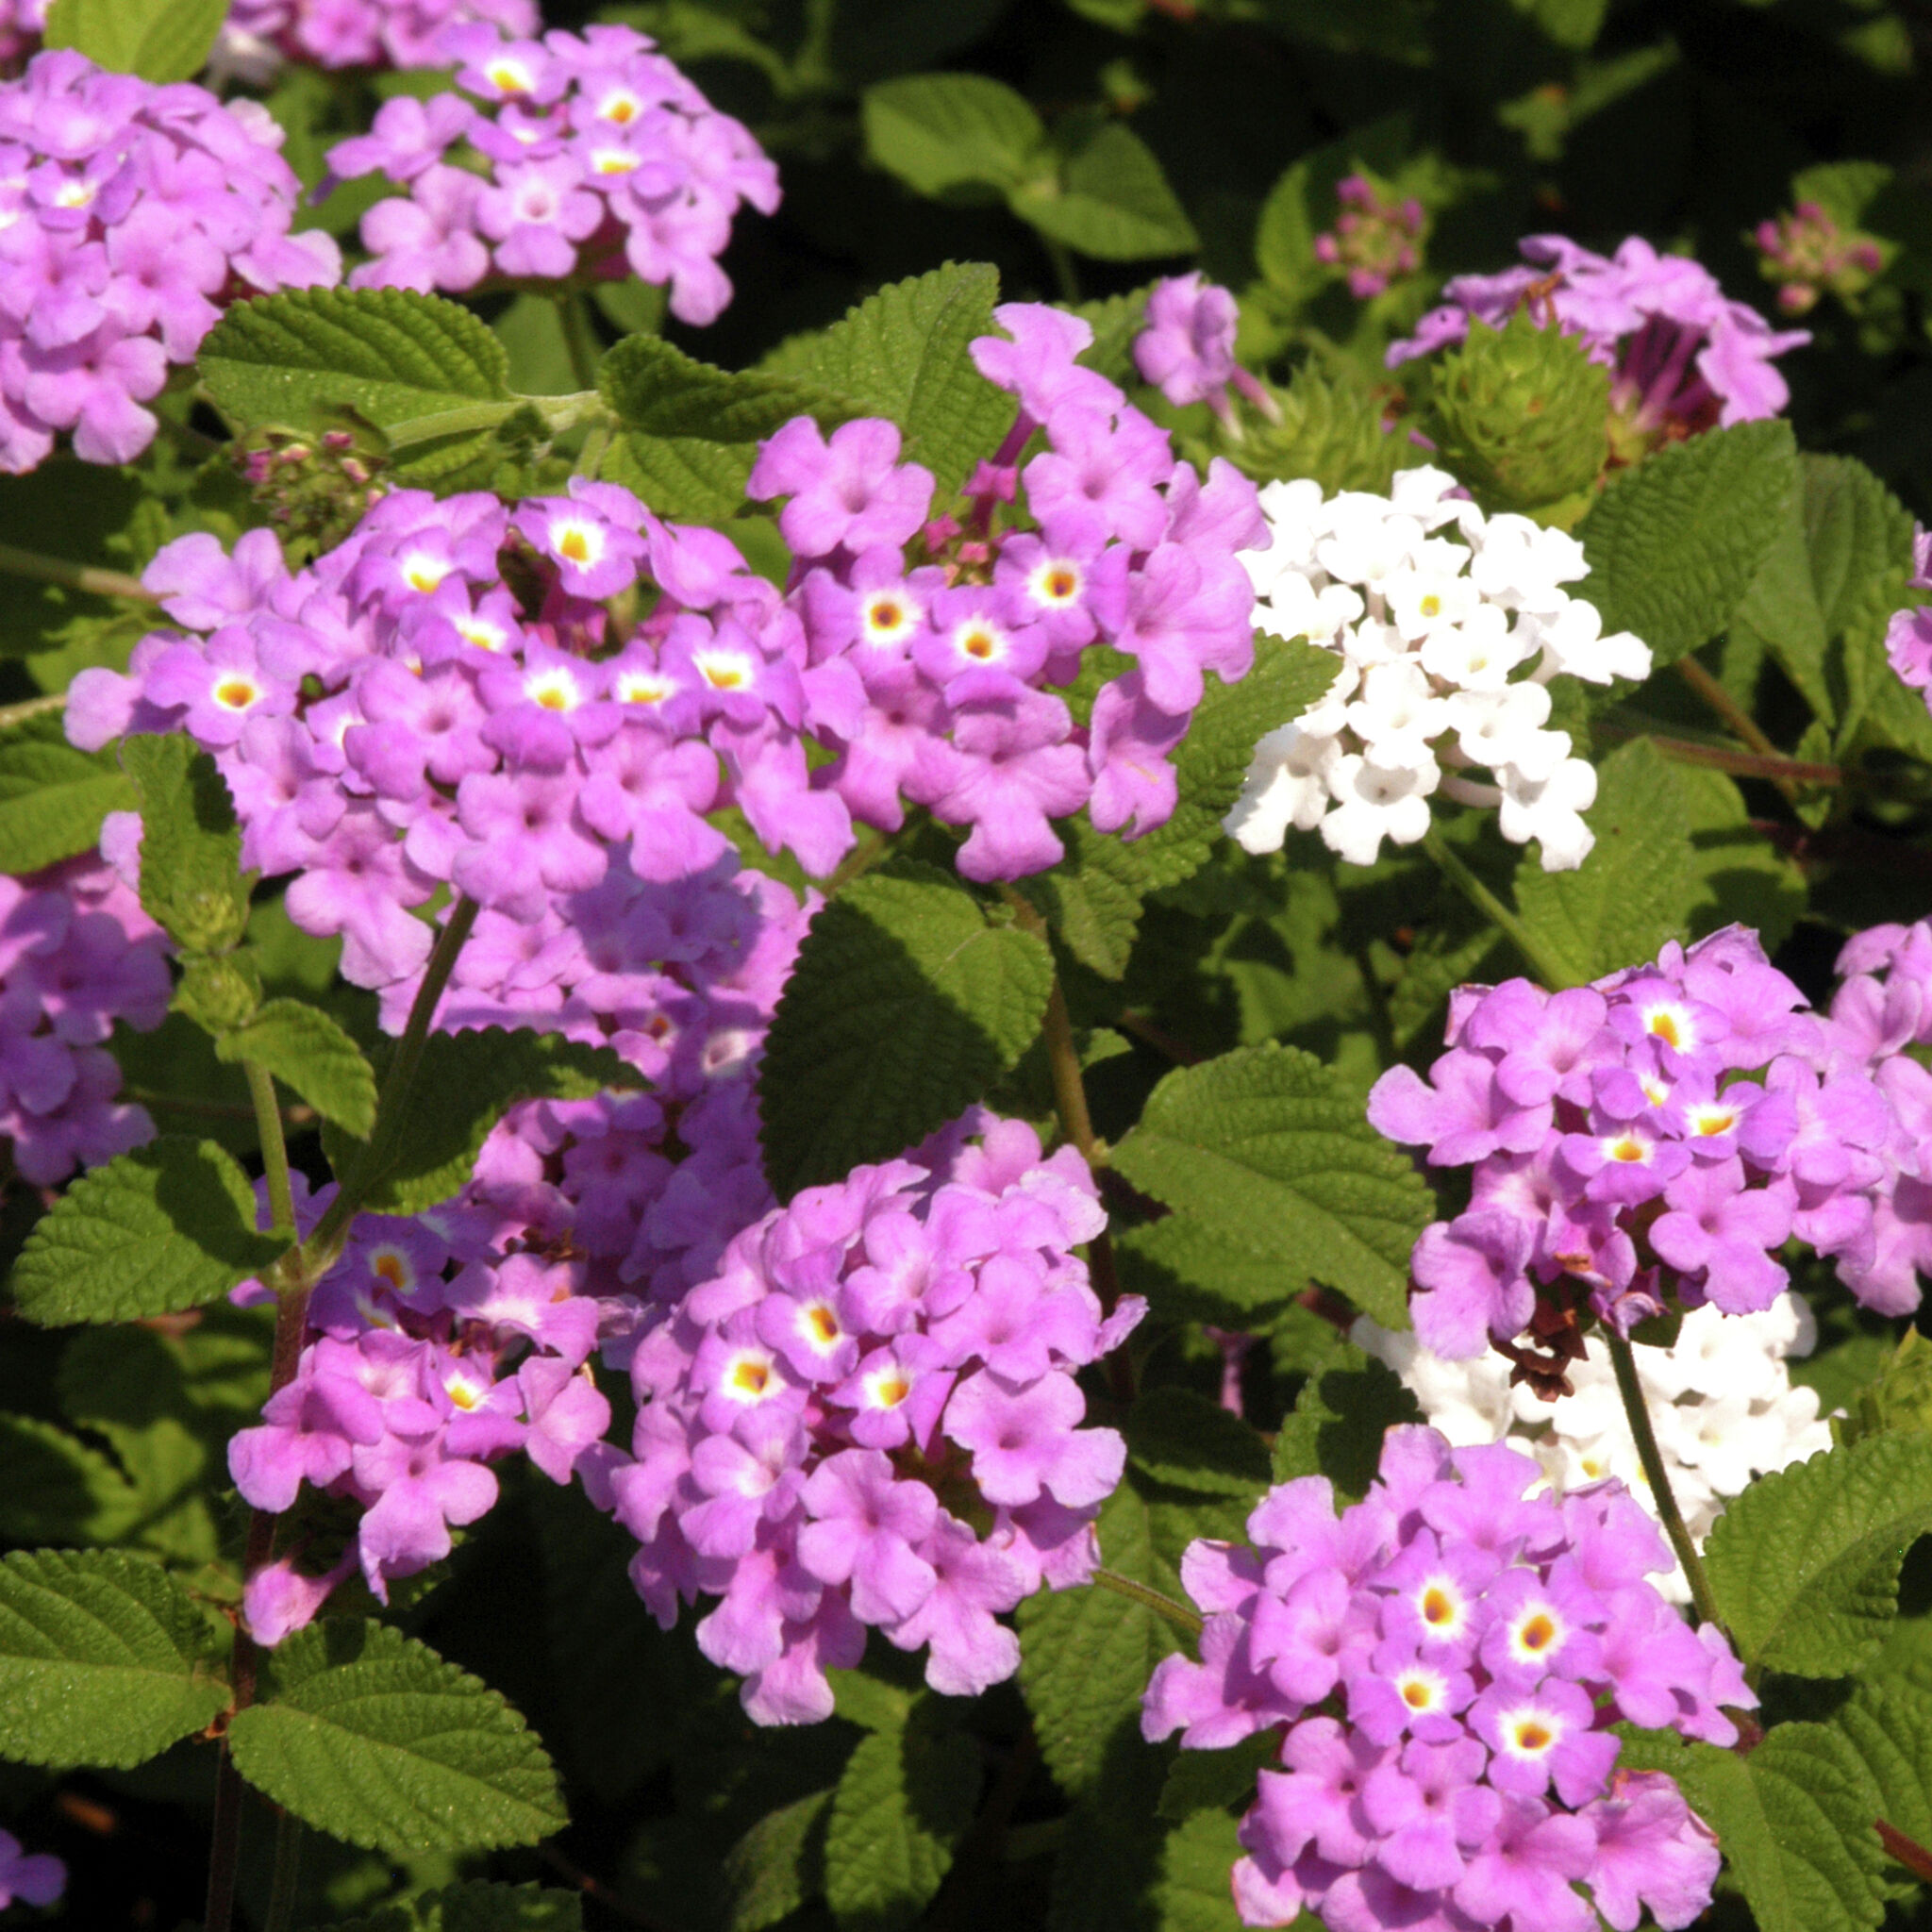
(1180, 1438)
(1345, 1408)
(778, 1865)
(467, 1082)
(370, 1736)
(1109, 197)
(1781, 611)
(938, 131)
(1629, 896)
(1094, 896)
(1674, 542)
(104, 1659)
(907, 1004)
(1192, 1893)
(53, 797)
(84, 513)
(394, 357)
(60, 1490)
(906, 1794)
(191, 846)
(1217, 1781)
(169, 1226)
(1085, 1655)
(1804, 1563)
(902, 354)
(689, 430)
(1266, 1147)
(158, 40)
(1190, 1273)
(478, 1907)
(307, 1050)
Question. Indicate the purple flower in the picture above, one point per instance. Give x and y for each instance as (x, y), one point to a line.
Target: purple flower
(863, 1528)
(32, 1878)
(1652, 1851)
(850, 492)
(1186, 348)
(1719, 1231)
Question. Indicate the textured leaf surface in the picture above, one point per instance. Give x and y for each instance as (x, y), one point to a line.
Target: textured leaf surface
(1674, 542)
(1629, 895)
(169, 1226)
(1094, 895)
(191, 845)
(1193, 1893)
(103, 1659)
(778, 1865)
(1191, 1273)
(158, 40)
(467, 1083)
(391, 356)
(1346, 1407)
(1109, 199)
(907, 1793)
(60, 1490)
(53, 797)
(1178, 1436)
(907, 1004)
(1085, 1655)
(1805, 1562)
(477, 1907)
(307, 1050)
(370, 1736)
(902, 354)
(937, 131)
(1267, 1147)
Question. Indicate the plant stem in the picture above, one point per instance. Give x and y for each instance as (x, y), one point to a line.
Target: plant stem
(1064, 272)
(11, 715)
(1746, 764)
(1631, 1390)
(1179, 1615)
(1543, 963)
(392, 1101)
(74, 576)
(1736, 718)
(288, 1869)
(274, 1149)
(580, 339)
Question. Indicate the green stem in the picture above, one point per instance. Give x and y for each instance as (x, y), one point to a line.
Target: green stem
(1736, 718)
(1635, 1409)
(1064, 273)
(72, 577)
(392, 1100)
(1546, 966)
(1748, 764)
(288, 1869)
(1179, 1615)
(580, 339)
(11, 715)
(274, 1149)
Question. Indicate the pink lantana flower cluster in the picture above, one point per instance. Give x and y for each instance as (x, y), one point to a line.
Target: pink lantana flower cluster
(442, 1343)
(130, 215)
(1377, 236)
(1618, 1143)
(1683, 357)
(952, 627)
(1446, 1660)
(78, 956)
(260, 35)
(1908, 636)
(573, 154)
(868, 1417)
(1808, 252)
(393, 719)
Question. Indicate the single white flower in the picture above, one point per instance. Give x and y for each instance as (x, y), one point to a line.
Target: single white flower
(1287, 785)
(1550, 810)
(1374, 802)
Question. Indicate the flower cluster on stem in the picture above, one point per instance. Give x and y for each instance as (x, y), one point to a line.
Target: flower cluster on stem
(1449, 626)
(1445, 1660)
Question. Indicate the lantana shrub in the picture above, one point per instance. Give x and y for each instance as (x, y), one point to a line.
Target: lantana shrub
(1086, 1088)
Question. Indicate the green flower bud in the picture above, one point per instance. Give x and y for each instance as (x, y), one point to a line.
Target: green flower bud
(221, 993)
(1329, 430)
(1520, 414)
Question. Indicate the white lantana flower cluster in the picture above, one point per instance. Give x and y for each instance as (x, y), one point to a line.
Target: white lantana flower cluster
(1448, 640)
(1721, 1403)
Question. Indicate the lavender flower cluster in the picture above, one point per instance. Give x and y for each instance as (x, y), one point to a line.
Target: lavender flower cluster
(877, 1374)
(948, 631)
(1377, 236)
(577, 154)
(260, 35)
(1449, 1656)
(29, 1878)
(1613, 1152)
(132, 214)
(1908, 636)
(1808, 251)
(78, 956)
(1683, 357)
(391, 719)
(445, 1341)
(1448, 643)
